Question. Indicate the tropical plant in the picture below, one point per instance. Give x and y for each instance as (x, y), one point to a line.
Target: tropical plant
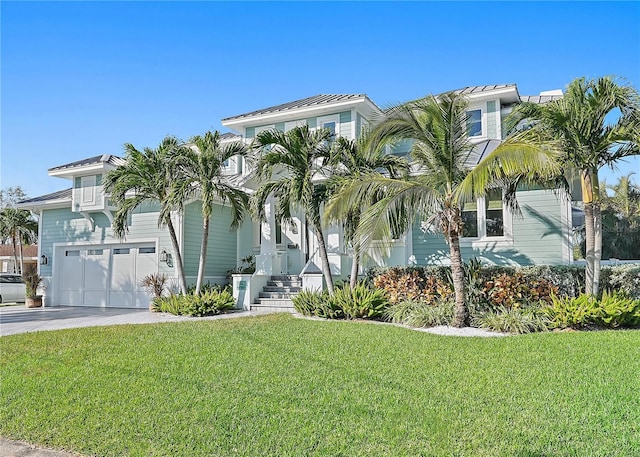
(32, 281)
(621, 219)
(147, 177)
(200, 174)
(208, 303)
(444, 179)
(292, 168)
(20, 228)
(581, 122)
(513, 320)
(155, 284)
(351, 159)
(359, 302)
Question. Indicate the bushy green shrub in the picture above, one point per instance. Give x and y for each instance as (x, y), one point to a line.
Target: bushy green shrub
(420, 314)
(624, 278)
(429, 284)
(512, 320)
(359, 302)
(208, 303)
(618, 310)
(613, 310)
(316, 303)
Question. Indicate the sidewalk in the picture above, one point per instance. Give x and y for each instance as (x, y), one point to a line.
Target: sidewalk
(10, 448)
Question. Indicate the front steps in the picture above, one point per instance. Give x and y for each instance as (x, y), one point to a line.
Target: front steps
(276, 295)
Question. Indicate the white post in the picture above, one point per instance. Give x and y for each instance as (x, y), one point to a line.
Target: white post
(264, 261)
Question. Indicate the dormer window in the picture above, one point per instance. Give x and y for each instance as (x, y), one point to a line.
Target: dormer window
(474, 122)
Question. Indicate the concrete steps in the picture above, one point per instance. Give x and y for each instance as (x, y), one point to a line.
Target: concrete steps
(277, 294)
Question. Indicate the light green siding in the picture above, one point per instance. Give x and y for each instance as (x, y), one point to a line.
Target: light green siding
(250, 132)
(312, 122)
(221, 249)
(61, 226)
(492, 119)
(280, 126)
(537, 237)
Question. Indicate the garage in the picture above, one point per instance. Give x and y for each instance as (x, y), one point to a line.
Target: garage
(105, 276)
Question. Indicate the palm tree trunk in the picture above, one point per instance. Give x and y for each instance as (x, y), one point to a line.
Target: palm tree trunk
(21, 258)
(589, 229)
(324, 258)
(15, 254)
(589, 236)
(176, 250)
(203, 254)
(355, 264)
(597, 247)
(461, 314)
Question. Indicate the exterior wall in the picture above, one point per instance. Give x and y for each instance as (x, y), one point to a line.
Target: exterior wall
(539, 237)
(222, 246)
(344, 129)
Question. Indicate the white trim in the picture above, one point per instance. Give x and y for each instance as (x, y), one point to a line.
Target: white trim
(566, 223)
(81, 170)
(335, 118)
(297, 113)
(482, 239)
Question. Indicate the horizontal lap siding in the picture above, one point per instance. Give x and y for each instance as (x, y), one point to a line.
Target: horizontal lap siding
(537, 237)
(221, 248)
(64, 227)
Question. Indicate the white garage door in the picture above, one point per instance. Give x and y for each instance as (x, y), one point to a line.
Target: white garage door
(106, 275)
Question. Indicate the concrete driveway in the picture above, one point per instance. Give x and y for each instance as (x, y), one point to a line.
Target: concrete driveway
(18, 319)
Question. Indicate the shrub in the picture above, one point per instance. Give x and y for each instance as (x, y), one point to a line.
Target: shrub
(618, 310)
(512, 320)
(208, 303)
(359, 302)
(155, 284)
(420, 314)
(429, 285)
(625, 278)
(515, 290)
(574, 312)
(316, 303)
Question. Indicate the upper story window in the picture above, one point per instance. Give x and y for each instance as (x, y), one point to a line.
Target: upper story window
(486, 217)
(330, 122)
(474, 122)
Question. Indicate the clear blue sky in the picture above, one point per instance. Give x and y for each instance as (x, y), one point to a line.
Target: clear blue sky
(82, 78)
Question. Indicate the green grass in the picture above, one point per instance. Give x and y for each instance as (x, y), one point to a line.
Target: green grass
(281, 386)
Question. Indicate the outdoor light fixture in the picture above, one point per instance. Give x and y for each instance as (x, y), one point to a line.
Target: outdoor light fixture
(44, 260)
(164, 256)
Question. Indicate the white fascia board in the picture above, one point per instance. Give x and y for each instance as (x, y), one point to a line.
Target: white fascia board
(49, 204)
(281, 116)
(81, 170)
(507, 93)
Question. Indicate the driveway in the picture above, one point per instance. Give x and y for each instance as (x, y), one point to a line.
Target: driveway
(18, 319)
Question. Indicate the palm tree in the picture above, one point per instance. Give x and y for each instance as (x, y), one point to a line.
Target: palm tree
(147, 177)
(351, 160)
(293, 168)
(580, 121)
(201, 174)
(442, 179)
(18, 225)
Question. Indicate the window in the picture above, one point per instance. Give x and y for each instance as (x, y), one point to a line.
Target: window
(120, 251)
(485, 218)
(330, 123)
(94, 252)
(74, 253)
(147, 250)
(474, 122)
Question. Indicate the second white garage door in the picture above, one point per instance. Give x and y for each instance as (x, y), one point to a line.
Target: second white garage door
(106, 275)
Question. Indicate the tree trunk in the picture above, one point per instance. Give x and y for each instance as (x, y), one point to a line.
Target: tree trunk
(176, 250)
(597, 247)
(355, 264)
(15, 254)
(589, 236)
(589, 229)
(461, 313)
(322, 249)
(21, 259)
(203, 254)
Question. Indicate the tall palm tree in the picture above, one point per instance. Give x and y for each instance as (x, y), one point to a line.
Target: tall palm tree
(351, 159)
(581, 122)
(442, 179)
(19, 226)
(293, 168)
(201, 175)
(147, 177)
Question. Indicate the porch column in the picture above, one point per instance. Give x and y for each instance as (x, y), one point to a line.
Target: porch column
(265, 260)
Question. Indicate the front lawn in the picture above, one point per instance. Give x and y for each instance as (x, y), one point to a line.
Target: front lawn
(281, 386)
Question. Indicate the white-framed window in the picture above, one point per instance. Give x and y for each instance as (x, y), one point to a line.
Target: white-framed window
(487, 219)
(331, 122)
(474, 122)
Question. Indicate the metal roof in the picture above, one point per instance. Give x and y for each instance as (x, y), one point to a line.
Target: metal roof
(104, 158)
(229, 136)
(480, 151)
(539, 98)
(322, 99)
(477, 89)
(60, 195)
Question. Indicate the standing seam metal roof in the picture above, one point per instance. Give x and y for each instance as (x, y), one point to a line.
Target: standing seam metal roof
(104, 158)
(59, 195)
(316, 100)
